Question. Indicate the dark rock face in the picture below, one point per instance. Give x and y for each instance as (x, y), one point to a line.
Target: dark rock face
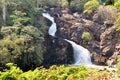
(58, 52)
(104, 45)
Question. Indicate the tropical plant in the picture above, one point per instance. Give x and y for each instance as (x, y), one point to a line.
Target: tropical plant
(91, 6)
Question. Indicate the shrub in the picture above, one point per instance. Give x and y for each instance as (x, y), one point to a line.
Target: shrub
(118, 23)
(91, 6)
(86, 36)
(54, 73)
(19, 18)
(78, 4)
(118, 28)
(117, 4)
(22, 45)
(118, 65)
(53, 3)
(105, 14)
(12, 73)
(9, 51)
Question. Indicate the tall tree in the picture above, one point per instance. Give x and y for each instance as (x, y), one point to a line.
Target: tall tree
(4, 11)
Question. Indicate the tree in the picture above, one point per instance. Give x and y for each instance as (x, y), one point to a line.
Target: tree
(22, 45)
(4, 11)
(69, 2)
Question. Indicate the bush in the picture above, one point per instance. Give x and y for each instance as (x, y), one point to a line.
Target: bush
(19, 18)
(118, 23)
(105, 14)
(118, 28)
(53, 3)
(118, 65)
(90, 6)
(117, 4)
(86, 36)
(22, 45)
(78, 4)
(54, 73)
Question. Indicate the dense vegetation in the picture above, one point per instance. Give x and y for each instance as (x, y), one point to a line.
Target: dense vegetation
(21, 34)
(54, 73)
(22, 37)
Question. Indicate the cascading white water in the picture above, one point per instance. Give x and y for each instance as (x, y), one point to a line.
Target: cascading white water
(53, 28)
(81, 54)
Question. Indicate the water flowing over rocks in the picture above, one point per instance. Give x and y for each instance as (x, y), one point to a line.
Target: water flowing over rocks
(103, 46)
(81, 54)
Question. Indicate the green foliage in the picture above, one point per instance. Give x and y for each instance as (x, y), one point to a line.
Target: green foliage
(19, 18)
(118, 28)
(86, 36)
(118, 65)
(22, 45)
(91, 6)
(110, 2)
(25, 10)
(117, 4)
(78, 4)
(64, 2)
(9, 51)
(118, 23)
(53, 73)
(105, 15)
(12, 73)
(53, 3)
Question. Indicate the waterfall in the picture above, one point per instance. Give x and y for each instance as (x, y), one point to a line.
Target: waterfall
(53, 28)
(81, 54)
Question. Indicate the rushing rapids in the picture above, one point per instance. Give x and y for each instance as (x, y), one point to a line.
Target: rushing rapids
(81, 54)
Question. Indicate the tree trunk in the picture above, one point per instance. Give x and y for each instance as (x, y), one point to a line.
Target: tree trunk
(4, 11)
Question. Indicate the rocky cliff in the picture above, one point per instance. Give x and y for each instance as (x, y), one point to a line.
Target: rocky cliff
(104, 39)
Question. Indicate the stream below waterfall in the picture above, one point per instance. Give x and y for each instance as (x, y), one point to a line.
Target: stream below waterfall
(81, 54)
